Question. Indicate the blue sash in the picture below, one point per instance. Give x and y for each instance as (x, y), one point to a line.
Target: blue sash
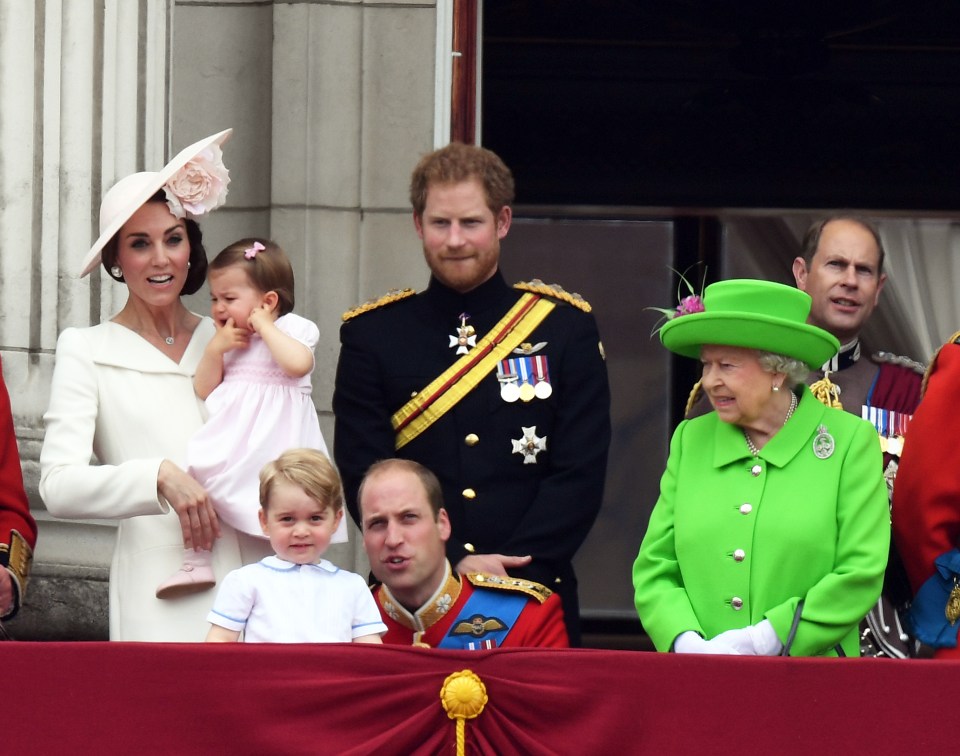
(484, 620)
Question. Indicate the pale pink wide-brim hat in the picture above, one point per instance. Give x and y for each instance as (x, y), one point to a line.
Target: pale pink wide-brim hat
(127, 196)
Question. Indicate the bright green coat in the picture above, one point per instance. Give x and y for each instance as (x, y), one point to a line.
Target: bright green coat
(813, 529)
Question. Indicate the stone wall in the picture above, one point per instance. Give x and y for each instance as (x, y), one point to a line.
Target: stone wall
(331, 102)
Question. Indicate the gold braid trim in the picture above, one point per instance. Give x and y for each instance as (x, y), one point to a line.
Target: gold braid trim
(394, 295)
(481, 579)
(556, 291)
(827, 391)
(695, 393)
(933, 362)
(16, 557)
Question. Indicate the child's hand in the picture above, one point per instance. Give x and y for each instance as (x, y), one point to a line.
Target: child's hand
(261, 317)
(228, 337)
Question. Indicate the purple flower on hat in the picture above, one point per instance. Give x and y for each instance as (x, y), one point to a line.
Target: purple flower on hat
(200, 186)
(689, 305)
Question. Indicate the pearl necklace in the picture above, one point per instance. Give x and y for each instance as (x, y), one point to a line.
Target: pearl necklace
(752, 446)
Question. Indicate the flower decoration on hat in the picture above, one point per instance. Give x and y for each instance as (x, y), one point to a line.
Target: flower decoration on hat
(688, 305)
(199, 186)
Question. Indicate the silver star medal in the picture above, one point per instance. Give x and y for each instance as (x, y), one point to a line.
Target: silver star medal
(823, 443)
(466, 336)
(529, 445)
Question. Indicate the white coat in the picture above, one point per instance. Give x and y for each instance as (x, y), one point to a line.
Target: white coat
(116, 397)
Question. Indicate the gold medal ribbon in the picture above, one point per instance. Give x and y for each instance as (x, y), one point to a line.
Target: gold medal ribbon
(444, 391)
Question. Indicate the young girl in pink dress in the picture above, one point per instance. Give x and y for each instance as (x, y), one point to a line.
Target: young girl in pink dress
(255, 378)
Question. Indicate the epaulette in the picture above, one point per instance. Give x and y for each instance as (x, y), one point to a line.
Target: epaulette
(895, 359)
(556, 291)
(695, 395)
(933, 361)
(394, 295)
(482, 580)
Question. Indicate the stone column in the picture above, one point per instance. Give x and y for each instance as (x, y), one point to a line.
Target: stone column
(353, 94)
(84, 90)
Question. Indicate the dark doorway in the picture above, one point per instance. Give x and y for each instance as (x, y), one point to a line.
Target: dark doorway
(697, 103)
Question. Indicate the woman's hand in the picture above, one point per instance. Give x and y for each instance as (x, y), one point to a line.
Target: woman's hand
(753, 640)
(692, 643)
(190, 501)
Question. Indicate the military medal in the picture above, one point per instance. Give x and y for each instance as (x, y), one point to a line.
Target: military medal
(509, 391)
(542, 387)
(507, 375)
(823, 443)
(891, 427)
(898, 429)
(529, 445)
(465, 337)
(542, 390)
(523, 366)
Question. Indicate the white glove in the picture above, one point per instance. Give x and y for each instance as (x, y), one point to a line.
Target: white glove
(691, 643)
(754, 640)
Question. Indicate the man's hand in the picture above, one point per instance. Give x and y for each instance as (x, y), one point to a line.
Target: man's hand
(492, 564)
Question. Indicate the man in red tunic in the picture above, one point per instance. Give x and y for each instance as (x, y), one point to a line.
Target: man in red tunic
(422, 601)
(18, 531)
(926, 503)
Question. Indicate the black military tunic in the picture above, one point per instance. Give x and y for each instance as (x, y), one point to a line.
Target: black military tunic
(499, 500)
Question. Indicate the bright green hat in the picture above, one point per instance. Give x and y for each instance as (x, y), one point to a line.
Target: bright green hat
(760, 315)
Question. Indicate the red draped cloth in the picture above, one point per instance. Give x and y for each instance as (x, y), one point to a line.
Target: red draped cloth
(125, 698)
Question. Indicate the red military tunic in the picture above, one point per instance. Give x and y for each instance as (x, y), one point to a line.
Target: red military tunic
(926, 499)
(18, 530)
(539, 623)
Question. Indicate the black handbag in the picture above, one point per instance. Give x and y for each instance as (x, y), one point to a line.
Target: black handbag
(793, 634)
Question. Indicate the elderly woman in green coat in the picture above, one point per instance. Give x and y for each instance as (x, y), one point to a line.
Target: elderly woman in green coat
(773, 511)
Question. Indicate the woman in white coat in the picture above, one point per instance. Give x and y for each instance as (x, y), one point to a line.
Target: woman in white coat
(123, 392)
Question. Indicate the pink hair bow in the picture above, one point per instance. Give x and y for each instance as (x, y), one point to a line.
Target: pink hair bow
(251, 252)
